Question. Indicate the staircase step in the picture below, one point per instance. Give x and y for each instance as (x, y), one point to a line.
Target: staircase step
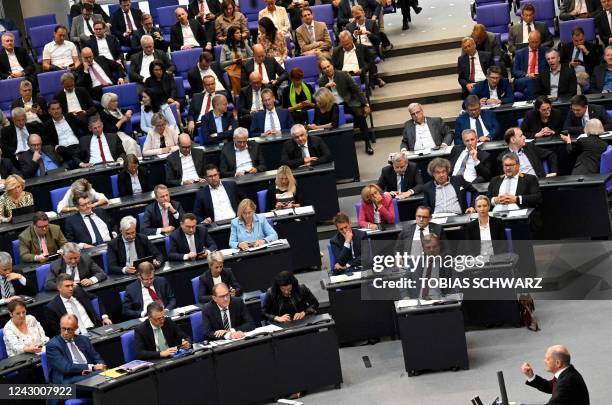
(401, 94)
(418, 66)
(411, 48)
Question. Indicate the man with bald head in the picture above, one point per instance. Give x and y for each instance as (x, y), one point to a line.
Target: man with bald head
(98, 72)
(187, 33)
(567, 385)
(421, 132)
(528, 63)
(250, 100)
(272, 74)
(186, 165)
(38, 160)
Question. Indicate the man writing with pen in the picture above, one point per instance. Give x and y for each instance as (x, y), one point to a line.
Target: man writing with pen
(158, 336)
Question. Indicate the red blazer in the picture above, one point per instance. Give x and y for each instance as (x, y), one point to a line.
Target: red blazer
(387, 212)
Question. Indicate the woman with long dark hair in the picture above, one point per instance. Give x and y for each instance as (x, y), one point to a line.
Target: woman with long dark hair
(152, 102)
(234, 55)
(272, 40)
(287, 300)
(162, 82)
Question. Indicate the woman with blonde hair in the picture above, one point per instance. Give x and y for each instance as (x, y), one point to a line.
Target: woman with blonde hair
(161, 137)
(115, 120)
(214, 275)
(14, 196)
(80, 187)
(250, 229)
(327, 112)
(376, 208)
(588, 150)
(283, 193)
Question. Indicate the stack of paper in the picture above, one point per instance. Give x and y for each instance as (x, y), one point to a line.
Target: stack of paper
(341, 278)
(263, 329)
(309, 209)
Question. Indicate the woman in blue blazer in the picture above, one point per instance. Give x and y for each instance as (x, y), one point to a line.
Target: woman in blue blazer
(250, 229)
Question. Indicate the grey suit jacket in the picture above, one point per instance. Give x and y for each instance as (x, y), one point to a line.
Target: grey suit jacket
(76, 29)
(348, 90)
(515, 36)
(440, 133)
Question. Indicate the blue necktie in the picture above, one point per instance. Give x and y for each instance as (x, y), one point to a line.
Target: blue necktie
(97, 233)
(479, 130)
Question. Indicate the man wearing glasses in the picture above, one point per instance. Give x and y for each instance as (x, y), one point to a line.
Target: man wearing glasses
(241, 156)
(514, 190)
(40, 240)
(422, 132)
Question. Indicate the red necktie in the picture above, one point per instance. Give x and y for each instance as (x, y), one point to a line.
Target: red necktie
(532, 61)
(554, 385)
(208, 103)
(260, 71)
(98, 76)
(101, 149)
(472, 70)
(165, 221)
(129, 21)
(153, 295)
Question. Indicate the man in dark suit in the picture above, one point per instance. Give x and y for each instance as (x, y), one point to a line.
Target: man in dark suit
(603, 23)
(201, 103)
(206, 67)
(225, 202)
(75, 9)
(14, 138)
(75, 101)
(528, 63)
(483, 122)
(355, 102)
(131, 246)
(518, 34)
(96, 231)
(100, 147)
(34, 104)
(214, 275)
(432, 131)
(190, 241)
(225, 317)
(62, 134)
(371, 8)
(24, 66)
(401, 178)
(495, 90)
(446, 193)
(73, 299)
(81, 267)
(271, 121)
(205, 12)
(250, 101)
(366, 32)
(531, 156)
(40, 239)
(514, 190)
(105, 44)
(151, 30)
(81, 26)
(572, 9)
(7, 168)
(163, 215)
(71, 357)
(139, 62)
(13, 283)
(241, 157)
(271, 72)
(581, 112)
(415, 232)
(218, 124)
(148, 288)
(38, 160)
(558, 80)
(468, 161)
(486, 41)
(567, 385)
(158, 337)
(304, 149)
(345, 51)
(601, 79)
(98, 72)
(196, 36)
(346, 244)
(582, 56)
(186, 165)
(125, 21)
(472, 65)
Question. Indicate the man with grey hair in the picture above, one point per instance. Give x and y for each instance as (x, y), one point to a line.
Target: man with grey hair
(567, 385)
(218, 124)
(241, 156)
(446, 193)
(139, 62)
(558, 80)
(100, 147)
(483, 122)
(14, 138)
(131, 246)
(80, 266)
(401, 178)
(13, 283)
(158, 337)
(15, 61)
(75, 101)
(34, 104)
(468, 161)
(514, 190)
(271, 121)
(349, 56)
(304, 149)
(601, 78)
(421, 132)
(472, 65)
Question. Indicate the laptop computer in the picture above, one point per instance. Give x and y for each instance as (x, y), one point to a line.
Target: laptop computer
(22, 214)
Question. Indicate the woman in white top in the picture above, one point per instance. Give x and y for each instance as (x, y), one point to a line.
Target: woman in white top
(488, 230)
(161, 138)
(23, 333)
(151, 103)
(80, 186)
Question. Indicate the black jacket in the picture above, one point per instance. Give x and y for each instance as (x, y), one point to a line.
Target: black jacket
(125, 181)
(461, 188)
(136, 64)
(114, 144)
(301, 300)
(55, 309)
(179, 245)
(36, 99)
(24, 59)
(176, 35)
(598, 78)
(567, 82)
(588, 151)
(28, 289)
(227, 165)
(116, 252)
(111, 68)
(412, 179)
(174, 169)
(76, 231)
(207, 284)
(133, 304)
(203, 205)
(118, 25)
(498, 236)
(84, 98)
(483, 170)
(463, 66)
(153, 219)
(344, 255)
(86, 267)
(212, 321)
(371, 26)
(195, 79)
(570, 390)
(574, 125)
(29, 167)
(7, 168)
(527, 187)
(8, 140)
(589, 61)
(274, 70)
(532, 123)
(49, 133)
(536, 156)
(291, 154)
(144, 340)
(113, 46)
(338, 57)
(271, 196)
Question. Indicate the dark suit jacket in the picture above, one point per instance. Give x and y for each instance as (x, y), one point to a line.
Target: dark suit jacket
(515, 36)
(603, 27)
(144, 340)
(133, 304)
(536, 156)
(568, 5)
(344, 255)
(159, 44)
(567, 82)
(291, 154)
(461, 188)
(203, 205)
(116, 252)
(347, 89)
(194, 8)
(527, 187)
(24, 59)
(75, 10)
(370, 7)
(570, 389)
(28, 289)
(404, 240)
(84, 98)
(521, 62)
(8, 140)
(440, 132)
(588, 151)
(118, 26)
(62, 370)
(371, 26)
(30, 247)
(412, 179)
(488, 119)
(259, 120)
(209, 127)
(207, 284)
(7, 168)
(195, 79)
(179, 246)
(75, 228)
(111, 68)
(86, 267)
(598, 78)
(463, 65)
(114, 144)
(55, 309)
(338, 57)
(174, 169)
(36, 99)
(176, 35)
(125, 182)
(212, 321)
(245, 101)
(29, 167)
(136, 63)
(532, 124)
(196, 104)
(113, 46)
(273, 69)
(498, 236)
(49, 134)
(302, 300)
(483, 170)
(574, 125)
(491, 44)
(504, 90)
(589, 61)
(227, 165)
(153, 220)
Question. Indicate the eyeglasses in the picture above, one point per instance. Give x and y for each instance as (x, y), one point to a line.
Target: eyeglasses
(68, 329)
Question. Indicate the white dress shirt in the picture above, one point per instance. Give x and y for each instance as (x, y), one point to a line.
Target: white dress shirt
(94, 80)
(526, 166)
(101, 225)
(84, 320)
(144, 68)
(136, 187)
(363, 38)
(526, 32)
(264, 73)
(508, 186)
(146, 299)
(22, 139)
(486, 245)
(207, 96)
(14, 62)
(103, 48)
(485, 131)
(188, 37)
(423, 138)
(73, 102)
(94, 150)
(257, 104)
(243, 160)
(65, 135)
(217, 280)
(469, 173)
(350, 64)
(189, 170)
(268, 123)
(478, 73)
(30, 116)
(60, 55)
(221, 203)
